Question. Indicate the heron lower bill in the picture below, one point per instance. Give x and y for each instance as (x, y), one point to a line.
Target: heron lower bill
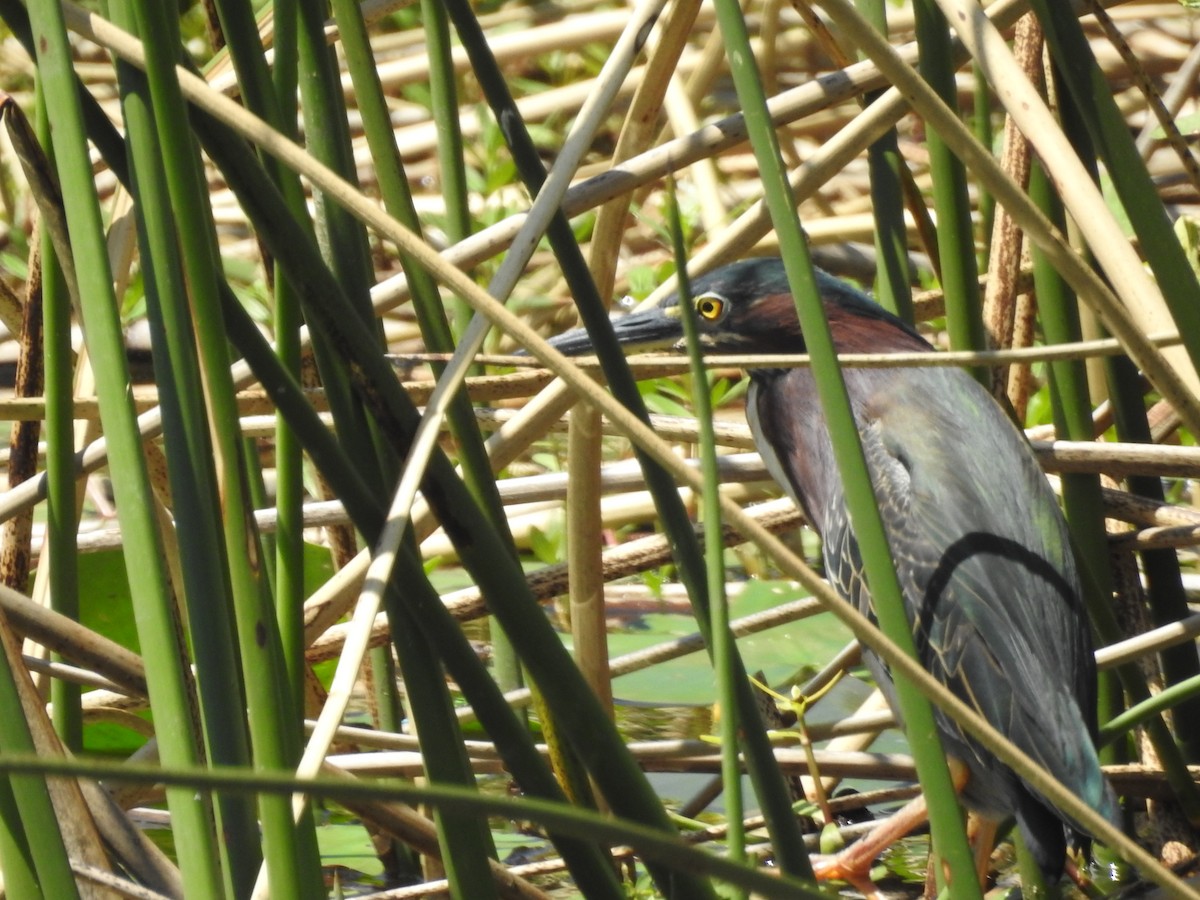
(981, 549)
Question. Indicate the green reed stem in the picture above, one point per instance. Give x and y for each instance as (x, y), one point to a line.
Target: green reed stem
(955, 228)
(724, 646)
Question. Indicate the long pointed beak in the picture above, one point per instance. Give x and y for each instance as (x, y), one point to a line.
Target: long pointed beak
(651, 329)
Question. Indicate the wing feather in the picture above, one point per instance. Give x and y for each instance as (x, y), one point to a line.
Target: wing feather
(989, 584)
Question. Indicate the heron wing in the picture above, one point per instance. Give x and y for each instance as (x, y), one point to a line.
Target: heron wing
(989, 583)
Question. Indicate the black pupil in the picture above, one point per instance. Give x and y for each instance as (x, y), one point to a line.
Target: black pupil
(709, 308)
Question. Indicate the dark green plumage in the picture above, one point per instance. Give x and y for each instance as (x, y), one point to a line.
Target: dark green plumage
(981, 548)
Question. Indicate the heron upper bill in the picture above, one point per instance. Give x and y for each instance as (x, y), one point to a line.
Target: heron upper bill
(651, 329)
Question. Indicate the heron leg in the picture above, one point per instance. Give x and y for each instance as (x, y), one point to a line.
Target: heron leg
(981, 832)
(853, 864)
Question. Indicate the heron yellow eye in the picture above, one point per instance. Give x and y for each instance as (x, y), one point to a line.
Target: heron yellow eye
(710, 306)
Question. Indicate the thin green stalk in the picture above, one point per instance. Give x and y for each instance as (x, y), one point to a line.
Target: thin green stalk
(62, 492)
(724, 648)
(885, 165)
(285, 65)
(955, 230)
(30, 823)
(152, 601)
(1069, 390)
(984, 133)
(892, 279)
(362, 502)
(452, 171)
(288, 540)
(287, 544)
(1176, 695)
(16, 861)
(244, 46)
(1071, 401)
(1033, 882)
(389, 712)
(945, 816)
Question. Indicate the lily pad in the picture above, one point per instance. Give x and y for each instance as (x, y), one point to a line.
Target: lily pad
(780, 652)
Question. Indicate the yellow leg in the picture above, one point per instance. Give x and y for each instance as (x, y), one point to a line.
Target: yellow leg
(982, 834)
(853, 865)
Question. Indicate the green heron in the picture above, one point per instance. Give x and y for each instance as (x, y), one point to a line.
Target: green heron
(981, 548)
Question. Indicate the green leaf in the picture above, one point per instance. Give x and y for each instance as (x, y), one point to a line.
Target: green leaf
(780, 652)
(349, 845)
